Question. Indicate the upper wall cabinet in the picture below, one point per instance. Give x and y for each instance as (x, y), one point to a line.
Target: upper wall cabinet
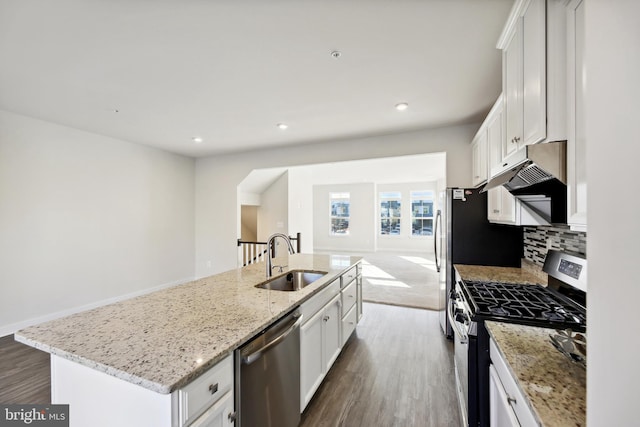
(479, 158)
(533, 78)
(576, 158)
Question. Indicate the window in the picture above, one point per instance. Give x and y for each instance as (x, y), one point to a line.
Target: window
(422, 213)
(390, 205)
(339, 213)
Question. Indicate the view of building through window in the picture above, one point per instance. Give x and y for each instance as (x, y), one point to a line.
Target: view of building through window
(340, 203)
(422, 213)
(390, 212)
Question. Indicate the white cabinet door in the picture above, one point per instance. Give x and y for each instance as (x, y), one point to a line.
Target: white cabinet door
(576, 141)
(534, 87)
(218, 415)
(479, 157)
(312, 366)
(512, 87)
(502, 206)
(332, 328)
(501, 412)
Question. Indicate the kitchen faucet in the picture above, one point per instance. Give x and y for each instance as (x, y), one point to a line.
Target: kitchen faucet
(270, 242)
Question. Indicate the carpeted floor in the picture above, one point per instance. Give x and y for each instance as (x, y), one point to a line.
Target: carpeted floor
(408, 280)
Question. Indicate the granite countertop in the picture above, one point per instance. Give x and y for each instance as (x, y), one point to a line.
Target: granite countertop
(528, 273)
(163, 340)
(554, 386)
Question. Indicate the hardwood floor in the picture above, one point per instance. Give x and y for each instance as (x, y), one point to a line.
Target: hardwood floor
(396, 370)
(24, 373)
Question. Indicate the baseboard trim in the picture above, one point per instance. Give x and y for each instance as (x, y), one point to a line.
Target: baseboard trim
(14, 327)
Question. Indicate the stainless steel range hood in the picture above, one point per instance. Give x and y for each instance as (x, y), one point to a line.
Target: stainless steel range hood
(539, 180)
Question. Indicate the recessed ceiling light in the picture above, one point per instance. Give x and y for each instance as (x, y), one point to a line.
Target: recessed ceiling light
(282, 126)
(336, 54)
(402, 106)
(197, 139)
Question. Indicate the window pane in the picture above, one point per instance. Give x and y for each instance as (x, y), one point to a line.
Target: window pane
(340, 208)
(390, 226)
(422, 227)
(339, 226)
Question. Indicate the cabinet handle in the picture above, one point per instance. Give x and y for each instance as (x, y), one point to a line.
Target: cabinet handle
(496, 211)
(232, 416)
(517, 138)
(326, 318)
(510, 400)
(477, 176)
(505, 165)
(213, 388)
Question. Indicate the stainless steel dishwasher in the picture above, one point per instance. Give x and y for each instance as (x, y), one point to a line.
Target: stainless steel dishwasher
(268, 376)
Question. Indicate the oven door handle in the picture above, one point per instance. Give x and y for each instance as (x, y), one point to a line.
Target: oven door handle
(464, 338)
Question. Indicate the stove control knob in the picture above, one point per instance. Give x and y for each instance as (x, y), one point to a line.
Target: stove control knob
(460, 317)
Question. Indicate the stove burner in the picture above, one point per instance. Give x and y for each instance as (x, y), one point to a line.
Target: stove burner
(528, 304)
(499, 311)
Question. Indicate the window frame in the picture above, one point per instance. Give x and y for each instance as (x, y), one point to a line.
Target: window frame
(337, 196)
(423, 196)
(391, 196)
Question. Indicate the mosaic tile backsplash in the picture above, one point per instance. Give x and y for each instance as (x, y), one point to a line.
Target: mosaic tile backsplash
(537, 240)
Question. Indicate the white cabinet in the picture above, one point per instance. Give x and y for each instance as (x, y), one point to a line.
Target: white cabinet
(320, 344)
(203, 402)
(502, 206)
(534, 93)
(576, 142)
(508, 405)
(207, 401)
(479, 158)
(331, 317)
(219, 414)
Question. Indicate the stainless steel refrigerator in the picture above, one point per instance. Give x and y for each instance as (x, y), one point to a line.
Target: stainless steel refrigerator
(464, 235)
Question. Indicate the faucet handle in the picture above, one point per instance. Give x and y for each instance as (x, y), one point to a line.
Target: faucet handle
(279, 267)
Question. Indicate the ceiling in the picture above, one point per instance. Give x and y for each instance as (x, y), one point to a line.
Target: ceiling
(162, 72)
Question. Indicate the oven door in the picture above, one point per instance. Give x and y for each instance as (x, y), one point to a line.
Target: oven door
(461, 356)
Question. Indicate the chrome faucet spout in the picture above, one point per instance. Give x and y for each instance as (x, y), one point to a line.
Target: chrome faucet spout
(270, 242)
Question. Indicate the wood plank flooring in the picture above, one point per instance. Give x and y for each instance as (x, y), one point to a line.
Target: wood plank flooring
(24, 373)
(396, 370)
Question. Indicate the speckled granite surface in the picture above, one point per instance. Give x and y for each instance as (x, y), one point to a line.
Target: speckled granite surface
(527, 274)
(162, 340)
(554, 386)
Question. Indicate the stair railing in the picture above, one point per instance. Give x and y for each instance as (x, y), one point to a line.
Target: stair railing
(250, 252)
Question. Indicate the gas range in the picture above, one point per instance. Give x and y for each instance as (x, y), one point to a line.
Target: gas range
(561, 305)
(527, 304)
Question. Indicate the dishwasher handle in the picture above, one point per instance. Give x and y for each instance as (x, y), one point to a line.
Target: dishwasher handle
(249, 359)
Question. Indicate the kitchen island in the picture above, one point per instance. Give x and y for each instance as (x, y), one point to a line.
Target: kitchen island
(162, 341)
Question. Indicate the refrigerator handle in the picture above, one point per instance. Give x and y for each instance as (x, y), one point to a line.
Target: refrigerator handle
(436, 238)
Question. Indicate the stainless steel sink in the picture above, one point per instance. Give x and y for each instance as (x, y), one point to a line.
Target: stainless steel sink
(293, 280)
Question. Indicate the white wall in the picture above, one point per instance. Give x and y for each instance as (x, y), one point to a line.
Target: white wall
(301, 206)
(273, 212)
(404, 242)
(217, 178)
(361, 218)
(86, 218)
(612, 112)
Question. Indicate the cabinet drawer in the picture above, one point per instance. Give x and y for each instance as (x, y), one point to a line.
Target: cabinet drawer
(516, 399)
(205, 390)
(319, 300)
(349, 322)
(349, 297)
(349, 276)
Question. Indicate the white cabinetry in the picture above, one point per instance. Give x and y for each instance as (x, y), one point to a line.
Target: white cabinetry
(534, 95)
(479, 158)
(508, 406)
(331, 317)
(207, 401)
(576, 143)
(320, 339)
